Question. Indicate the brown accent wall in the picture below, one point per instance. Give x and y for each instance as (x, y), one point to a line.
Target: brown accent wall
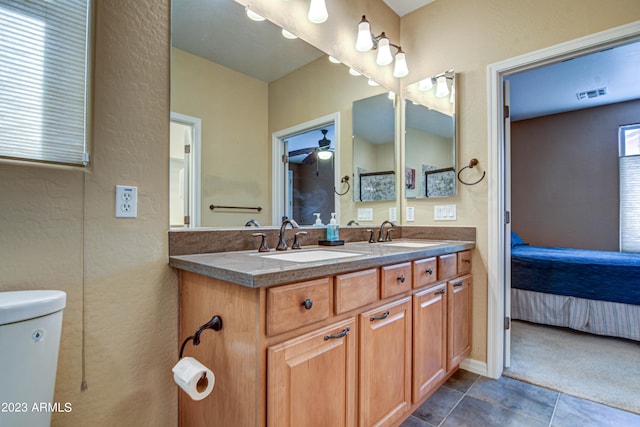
(564, 170)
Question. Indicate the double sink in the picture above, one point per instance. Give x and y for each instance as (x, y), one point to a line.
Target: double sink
(315, 255)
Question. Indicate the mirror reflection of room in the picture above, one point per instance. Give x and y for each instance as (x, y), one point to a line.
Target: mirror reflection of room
(374, 148)
(430, 137)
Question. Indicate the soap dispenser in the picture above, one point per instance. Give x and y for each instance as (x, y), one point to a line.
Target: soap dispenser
(332, 229)
(318, 222)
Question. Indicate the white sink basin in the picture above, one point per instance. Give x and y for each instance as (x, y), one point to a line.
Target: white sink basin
(310, 256)
(412, 244)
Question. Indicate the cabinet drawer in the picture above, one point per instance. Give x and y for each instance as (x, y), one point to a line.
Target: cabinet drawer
(354, 290)
(395, 279)
(425, 272)
(447, 266)
(464, 262)
(299, 304)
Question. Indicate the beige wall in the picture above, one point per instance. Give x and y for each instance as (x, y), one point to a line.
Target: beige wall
(131, 295)
(468, 36)
(564, 177)
(235, 145)
(130, 298)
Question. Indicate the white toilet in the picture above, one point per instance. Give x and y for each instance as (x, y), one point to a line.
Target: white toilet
(30, 327)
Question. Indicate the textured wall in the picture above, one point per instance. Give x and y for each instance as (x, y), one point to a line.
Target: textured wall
(468, 36)
(131, 294)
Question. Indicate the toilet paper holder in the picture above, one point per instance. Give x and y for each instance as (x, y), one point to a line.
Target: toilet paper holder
(215, 323)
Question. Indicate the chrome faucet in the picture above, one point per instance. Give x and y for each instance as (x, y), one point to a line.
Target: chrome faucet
(282, 244)
(252, 222)
(381, 237)
(353, 222)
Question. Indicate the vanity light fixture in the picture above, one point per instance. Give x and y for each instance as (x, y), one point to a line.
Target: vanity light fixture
(354, 72)
(333, 60)
(367, 41)
(426, 84)
(287, 35)
(252, 15)
(317, 11)
(442, 89)
(372, 82)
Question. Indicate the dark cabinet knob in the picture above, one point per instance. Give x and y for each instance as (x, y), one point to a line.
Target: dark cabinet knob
(440, 292)
(429, 271)
(467, 260)
(308, 303)
(401, 278)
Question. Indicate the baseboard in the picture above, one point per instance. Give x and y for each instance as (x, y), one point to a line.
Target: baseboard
(474, 366)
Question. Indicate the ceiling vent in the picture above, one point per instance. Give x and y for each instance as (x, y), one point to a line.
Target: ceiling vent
(592, 93)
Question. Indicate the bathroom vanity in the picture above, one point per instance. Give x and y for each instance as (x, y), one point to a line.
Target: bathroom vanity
(358, 335)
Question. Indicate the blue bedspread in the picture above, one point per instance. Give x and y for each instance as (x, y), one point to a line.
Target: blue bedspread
(598, 275)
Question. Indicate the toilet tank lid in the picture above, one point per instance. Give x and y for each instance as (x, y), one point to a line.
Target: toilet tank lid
(17, 306)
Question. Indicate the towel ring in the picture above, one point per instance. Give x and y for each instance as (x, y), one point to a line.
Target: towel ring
(472, 163)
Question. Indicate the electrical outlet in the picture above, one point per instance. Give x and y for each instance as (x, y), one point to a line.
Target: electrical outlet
(126, 201)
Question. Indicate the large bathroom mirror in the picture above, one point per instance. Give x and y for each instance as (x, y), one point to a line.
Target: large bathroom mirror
(374, 124)
(430, 137)
(235, 83)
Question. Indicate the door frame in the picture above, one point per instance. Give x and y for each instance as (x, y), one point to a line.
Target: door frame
(278, 169)
(193, 180)
(497, 238)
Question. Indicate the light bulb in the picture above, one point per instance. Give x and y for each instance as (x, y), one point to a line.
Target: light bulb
(391, 95)
(452, 98)
(400, 69)
(425, 85)
(286, 34)
(384, 52)
(333, 60)
(372, 82)
(354, 72)
(317, 11)
(324, 155)
(442, 89)
(252, 15)
(364, 42)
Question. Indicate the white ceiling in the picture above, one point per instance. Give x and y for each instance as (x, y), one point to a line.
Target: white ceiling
(402, 7)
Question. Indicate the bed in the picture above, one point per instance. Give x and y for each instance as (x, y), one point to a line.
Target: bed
(587, 290)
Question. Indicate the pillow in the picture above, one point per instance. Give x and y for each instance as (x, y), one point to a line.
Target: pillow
(516, 240)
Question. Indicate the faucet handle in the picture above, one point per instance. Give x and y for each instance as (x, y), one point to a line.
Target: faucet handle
(372, 239)
(296, 241)
(388, 238)
(263, 242)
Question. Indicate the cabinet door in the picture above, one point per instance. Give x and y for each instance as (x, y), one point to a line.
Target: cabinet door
(459, 318)
(429, 339)
(311, 379)
(385, 363)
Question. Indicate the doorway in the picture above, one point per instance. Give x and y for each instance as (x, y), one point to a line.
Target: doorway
(305, 168)
(184, 171)
(498, 345)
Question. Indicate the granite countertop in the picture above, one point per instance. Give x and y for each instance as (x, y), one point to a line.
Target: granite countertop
(255, 269)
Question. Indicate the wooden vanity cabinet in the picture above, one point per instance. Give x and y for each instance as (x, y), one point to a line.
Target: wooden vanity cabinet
(459, 320)
(363, 348)
(429, 339)
(311, 379)
(385, 363)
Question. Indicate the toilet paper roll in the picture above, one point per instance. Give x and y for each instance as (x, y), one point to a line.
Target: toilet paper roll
(194, 378)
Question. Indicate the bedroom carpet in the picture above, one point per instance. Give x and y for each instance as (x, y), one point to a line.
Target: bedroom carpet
(596, 368)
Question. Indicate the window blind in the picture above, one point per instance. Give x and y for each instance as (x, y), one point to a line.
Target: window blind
(630, 204)
(43, 80)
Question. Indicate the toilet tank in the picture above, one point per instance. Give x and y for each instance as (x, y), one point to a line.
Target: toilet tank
(30, 329)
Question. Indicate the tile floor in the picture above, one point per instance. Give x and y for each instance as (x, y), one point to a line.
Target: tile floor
(467, 399)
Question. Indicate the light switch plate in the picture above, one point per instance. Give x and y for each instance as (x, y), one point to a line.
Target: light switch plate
(410, 214)
(444, 212)
(365, 214)
(393, 214)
